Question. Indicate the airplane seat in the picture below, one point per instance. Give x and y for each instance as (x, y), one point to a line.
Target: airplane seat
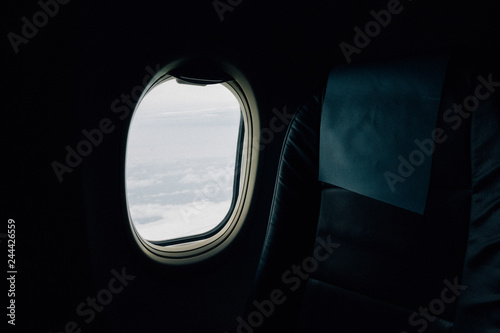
(386, 212)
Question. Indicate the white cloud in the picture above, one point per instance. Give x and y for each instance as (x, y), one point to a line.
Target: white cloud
(173, 221)
(210, 175)
(163, 194)
(140, 183)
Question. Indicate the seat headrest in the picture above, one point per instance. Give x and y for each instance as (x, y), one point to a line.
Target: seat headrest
(378, 128)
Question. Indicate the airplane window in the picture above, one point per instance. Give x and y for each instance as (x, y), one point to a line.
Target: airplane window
(182, 153)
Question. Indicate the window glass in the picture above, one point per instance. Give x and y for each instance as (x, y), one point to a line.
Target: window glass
(180, 160)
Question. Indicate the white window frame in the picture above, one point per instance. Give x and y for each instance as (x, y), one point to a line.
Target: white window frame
(192, 249)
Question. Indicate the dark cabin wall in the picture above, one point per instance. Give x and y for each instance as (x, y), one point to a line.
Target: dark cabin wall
(70, 235)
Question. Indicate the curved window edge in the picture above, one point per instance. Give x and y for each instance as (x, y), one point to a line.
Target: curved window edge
(196, 248)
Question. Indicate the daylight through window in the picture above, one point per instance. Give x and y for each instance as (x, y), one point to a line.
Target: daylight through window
(181, 159)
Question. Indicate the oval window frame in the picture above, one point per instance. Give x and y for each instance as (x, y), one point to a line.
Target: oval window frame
(200, 247)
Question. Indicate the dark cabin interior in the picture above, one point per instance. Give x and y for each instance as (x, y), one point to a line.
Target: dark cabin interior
(73, 236)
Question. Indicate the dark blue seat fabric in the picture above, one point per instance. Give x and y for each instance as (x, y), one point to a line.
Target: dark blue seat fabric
(344, 262)
(378, 123)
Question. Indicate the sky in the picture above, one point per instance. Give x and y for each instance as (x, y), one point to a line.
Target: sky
(181, 150)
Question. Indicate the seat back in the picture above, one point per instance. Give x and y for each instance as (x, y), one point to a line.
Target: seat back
(339, 261)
